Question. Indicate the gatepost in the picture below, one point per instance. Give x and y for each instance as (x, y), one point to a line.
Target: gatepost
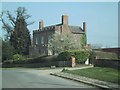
(73, 61)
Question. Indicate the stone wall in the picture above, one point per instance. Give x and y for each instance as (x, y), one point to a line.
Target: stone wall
(107, 63)
(114, 50)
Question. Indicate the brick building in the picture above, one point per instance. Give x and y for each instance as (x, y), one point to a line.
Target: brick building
(42, 36)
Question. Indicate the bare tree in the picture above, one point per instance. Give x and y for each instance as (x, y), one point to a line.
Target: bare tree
(10, 24)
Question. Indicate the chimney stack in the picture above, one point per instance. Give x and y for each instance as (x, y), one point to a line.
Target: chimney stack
(84, 26)
(41, 24)
(65, 19)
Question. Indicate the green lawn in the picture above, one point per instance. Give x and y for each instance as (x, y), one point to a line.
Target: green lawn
(100, 73)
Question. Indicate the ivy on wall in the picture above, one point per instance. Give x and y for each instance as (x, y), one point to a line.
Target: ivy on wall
(83, 40)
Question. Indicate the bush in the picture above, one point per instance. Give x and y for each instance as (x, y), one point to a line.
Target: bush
(17, 57)
(81, 56)
(40, 59)
(65, 56)
(7, 50)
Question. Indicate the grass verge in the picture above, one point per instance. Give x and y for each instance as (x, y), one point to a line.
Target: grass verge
(100, 73)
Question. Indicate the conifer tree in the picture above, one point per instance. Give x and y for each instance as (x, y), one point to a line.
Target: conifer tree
(17, 30)
(20, 38)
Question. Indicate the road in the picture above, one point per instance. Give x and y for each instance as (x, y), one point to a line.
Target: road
(30, 78)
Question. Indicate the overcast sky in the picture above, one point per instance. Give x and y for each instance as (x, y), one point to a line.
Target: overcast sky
(101, 17)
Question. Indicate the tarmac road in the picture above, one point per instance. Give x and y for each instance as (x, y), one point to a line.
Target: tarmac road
(30, 78)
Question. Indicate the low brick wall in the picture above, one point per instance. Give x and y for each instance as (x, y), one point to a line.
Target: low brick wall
(37, 65)
(107, 63)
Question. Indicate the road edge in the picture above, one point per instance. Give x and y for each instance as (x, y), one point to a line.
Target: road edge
(102, 86)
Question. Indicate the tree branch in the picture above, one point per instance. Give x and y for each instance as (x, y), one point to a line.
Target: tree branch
(12, 19)
(30, 23)
(7, 27)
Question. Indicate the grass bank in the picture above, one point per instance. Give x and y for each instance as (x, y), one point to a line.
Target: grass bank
(100, 73)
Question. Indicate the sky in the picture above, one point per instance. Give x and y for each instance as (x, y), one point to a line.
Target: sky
(101, 17)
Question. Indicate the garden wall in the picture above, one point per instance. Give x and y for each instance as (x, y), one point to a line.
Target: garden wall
(107, 63)
(37, 65)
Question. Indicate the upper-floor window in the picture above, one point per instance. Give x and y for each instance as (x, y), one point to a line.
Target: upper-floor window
(49, 38)
(42, 40)
(36, 40)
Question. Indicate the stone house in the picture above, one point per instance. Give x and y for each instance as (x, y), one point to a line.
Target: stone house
(42, 36)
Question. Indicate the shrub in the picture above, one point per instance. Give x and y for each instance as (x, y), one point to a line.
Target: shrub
(81, 56)
(65, 56)
(17, 57)
(7, 50)
(40, 59)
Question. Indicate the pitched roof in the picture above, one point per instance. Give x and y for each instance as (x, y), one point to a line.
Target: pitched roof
(73, 29)
(76, 29)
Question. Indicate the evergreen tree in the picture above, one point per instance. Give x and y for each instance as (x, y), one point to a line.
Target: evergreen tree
(7, 50)
(20, 38)
(18, 31)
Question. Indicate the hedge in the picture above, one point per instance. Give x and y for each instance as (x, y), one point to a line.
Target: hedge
(40, 59)
(65, 56)
(81, 56)
(18, 57)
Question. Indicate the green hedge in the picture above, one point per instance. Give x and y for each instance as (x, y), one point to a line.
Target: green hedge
(31, 60)
(65, 56)
(81, 56)
(40, 59)
(18, 57)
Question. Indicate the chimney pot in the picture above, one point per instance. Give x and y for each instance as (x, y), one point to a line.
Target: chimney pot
(65, 19)
(41, 24)
(84, 26)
